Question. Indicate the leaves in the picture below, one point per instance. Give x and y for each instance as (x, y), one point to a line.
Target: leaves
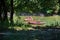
(35, 5)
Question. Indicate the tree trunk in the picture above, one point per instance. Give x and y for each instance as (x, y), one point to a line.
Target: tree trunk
(12, 11)
(0, 11)
(5, 10)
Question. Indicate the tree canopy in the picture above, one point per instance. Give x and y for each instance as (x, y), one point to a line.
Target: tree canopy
(36, 5)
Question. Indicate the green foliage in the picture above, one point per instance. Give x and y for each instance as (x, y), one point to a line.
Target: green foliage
(49, 11)
(27, 5)
(35, 5)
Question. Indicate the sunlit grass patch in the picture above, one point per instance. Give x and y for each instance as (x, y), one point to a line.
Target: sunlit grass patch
(48, 21)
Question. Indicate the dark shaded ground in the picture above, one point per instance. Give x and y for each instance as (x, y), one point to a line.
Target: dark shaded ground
(41, 34)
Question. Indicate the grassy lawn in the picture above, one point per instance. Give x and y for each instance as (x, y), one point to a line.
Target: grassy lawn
(49, 21)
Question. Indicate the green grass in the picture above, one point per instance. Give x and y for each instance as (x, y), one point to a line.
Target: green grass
(48, 21)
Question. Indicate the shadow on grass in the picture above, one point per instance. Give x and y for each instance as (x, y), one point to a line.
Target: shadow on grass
(42, 34)
(4, 25)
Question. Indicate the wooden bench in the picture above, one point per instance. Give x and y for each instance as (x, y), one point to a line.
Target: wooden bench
(30, 20)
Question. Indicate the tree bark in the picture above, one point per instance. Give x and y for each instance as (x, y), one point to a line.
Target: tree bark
(12, 11)
(5, 10)
(0, 10)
